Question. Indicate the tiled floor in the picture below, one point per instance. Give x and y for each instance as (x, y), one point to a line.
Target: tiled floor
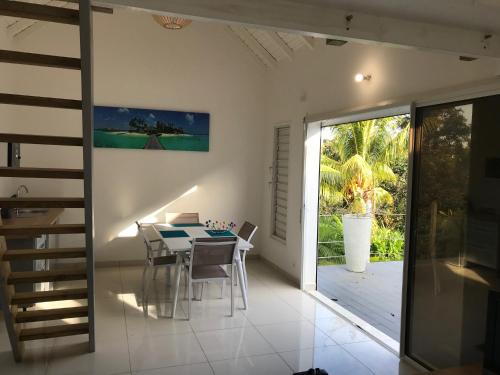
(374, 295)
(282, 332)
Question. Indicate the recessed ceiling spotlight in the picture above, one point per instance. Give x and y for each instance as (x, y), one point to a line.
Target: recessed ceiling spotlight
(335, 42)
(467, 58)
(360, 77)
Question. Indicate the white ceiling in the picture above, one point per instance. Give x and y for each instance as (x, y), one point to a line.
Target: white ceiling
(271, 47)
(268, 46)
(461, 27)
(483, 15)
(19, 26)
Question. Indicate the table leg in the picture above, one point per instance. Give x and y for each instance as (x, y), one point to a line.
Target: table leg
(178, 269)
(243, 287)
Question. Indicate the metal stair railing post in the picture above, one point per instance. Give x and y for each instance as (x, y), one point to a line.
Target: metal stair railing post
(86, 41)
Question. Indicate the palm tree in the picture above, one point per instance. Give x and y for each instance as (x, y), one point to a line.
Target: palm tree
(357, 162)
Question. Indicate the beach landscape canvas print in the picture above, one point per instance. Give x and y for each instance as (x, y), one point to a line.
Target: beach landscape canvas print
(148, 129)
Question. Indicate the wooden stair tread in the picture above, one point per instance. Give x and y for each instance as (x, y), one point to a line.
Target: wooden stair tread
(41, 172)
(46, 276)
(41, 139)
(53, 331)
(61, 253)
(42, 202)
(51, 314)
(40, 101)
(26, 298)
(29, 230)
(51, 61)
(39, 12)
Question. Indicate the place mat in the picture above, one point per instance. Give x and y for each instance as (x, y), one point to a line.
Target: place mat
(173, 233)
(187, 225)
(216, 233)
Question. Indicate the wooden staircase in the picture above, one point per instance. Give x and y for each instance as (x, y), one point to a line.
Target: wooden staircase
(18, 321)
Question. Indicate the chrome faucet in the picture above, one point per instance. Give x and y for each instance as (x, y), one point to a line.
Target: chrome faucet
(21, 189)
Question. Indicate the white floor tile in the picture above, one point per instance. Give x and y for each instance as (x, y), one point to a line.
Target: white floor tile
(294, 335)
(306, 305)
(211, 315)
(378, 359)
(271, 311)
(261, 365)
(196, 369)
(280, 318)
(73, 358)
(34, 361)
(153, 325)
(150, 352)
(332, 359)
(110, 319)
(341, 331)
(233, 343)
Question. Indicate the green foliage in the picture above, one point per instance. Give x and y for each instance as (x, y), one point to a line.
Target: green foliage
(330, 237)
(364, 163)
(387, 244)
(357, 164)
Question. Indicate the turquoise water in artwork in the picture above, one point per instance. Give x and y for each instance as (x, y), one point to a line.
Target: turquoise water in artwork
(139, 141)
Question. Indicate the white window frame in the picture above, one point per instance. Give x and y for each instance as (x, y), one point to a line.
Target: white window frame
(274, 181)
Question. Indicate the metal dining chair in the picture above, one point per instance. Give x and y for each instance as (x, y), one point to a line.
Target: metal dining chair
(207, 261)
(182, 218)
(155, 259)
(246, 232)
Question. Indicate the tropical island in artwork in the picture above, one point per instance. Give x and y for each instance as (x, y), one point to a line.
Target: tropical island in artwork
(150, 129)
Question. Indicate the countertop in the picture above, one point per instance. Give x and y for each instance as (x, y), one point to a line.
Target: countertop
(48, 218)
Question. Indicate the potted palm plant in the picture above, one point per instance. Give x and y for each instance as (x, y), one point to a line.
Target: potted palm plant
(352, 171)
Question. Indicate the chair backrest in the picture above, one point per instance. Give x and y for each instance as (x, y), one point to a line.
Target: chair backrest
(145, 237)
(182, 218)
(213, 251)
(247, 231)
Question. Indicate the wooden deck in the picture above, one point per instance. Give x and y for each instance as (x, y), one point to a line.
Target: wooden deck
(374, 296)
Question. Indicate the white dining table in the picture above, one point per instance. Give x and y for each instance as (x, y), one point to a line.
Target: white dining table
(182, 246)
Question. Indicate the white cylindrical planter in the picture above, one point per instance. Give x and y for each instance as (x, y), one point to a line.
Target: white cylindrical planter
(357, 239)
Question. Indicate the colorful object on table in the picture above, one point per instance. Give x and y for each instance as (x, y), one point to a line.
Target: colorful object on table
(173, 233)
(220, 225)
(220, 233)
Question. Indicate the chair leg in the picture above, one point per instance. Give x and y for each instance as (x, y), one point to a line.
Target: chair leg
(245, 269)
(236, 278)
(223, 289)
(232, 292)
(186, 284)
(202, 287)
(145, 295)
(190, 297)
(144, 271)
(168, 275)
(155, 273)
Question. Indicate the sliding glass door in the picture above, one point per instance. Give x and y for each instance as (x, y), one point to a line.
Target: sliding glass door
(454, 265)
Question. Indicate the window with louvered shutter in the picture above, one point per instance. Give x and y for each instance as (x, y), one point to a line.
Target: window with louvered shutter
(280, 181)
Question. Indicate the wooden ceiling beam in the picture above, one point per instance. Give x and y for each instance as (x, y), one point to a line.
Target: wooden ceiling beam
(255, 46)
(280, 43)
(327, 20)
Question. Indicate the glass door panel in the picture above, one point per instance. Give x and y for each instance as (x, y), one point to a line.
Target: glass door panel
(454, 247)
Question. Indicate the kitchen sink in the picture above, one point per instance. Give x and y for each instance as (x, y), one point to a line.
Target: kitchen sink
(30, 212)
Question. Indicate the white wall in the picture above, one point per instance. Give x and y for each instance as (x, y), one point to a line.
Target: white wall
(5, 84)
(139, 64)
(321, 81)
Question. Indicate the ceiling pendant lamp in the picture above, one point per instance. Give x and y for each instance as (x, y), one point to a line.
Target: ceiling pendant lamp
(172, 23)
